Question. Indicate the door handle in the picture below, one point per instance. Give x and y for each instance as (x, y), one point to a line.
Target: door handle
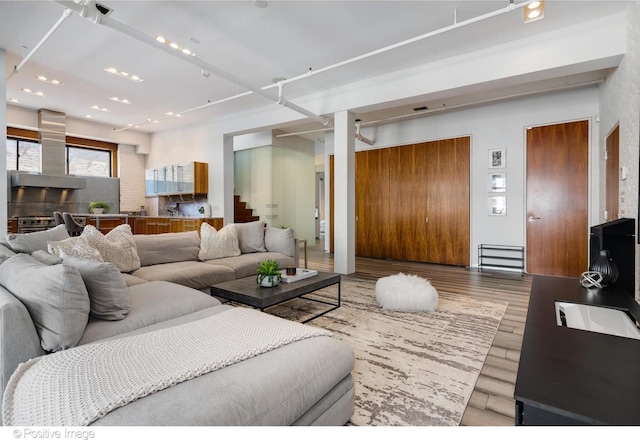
(532, 218)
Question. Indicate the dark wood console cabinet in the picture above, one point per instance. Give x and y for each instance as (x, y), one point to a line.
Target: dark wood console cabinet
(576, 377)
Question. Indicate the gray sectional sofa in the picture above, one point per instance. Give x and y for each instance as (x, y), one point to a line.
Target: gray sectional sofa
(54, 298)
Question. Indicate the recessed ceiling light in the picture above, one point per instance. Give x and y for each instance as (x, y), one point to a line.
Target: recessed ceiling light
(14, 100)
(35, 92)
(260, 4)
(123, 74)
(102, 109)
(121, 100)
(43, 78)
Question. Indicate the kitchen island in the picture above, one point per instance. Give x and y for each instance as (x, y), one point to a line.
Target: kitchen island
(147, 224)
(164, 224)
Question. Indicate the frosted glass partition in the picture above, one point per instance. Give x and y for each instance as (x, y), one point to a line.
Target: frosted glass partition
(279, 185)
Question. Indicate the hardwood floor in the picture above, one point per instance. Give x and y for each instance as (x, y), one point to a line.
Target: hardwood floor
(491, 403)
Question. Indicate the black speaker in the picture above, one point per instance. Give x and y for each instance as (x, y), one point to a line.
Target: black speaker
(618, 237)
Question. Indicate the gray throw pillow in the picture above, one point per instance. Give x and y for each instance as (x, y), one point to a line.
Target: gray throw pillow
(34, 241)
(108, 292)
(251, 236)
(280, 240)
(55, 297)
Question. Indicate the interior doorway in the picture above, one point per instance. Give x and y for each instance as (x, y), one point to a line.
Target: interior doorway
(558, 199)
(612, 211)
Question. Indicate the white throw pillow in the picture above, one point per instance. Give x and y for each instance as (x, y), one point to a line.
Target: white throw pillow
(54, 247)
(218, 244)
(81, 249)
(117, 247)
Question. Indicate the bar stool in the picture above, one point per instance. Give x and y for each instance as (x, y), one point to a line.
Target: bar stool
(73, 228)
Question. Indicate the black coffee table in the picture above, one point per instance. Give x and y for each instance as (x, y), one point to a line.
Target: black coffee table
(246, 291)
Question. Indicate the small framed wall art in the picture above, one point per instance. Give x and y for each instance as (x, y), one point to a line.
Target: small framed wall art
(497, 182)
(497, 205)
(498, 158)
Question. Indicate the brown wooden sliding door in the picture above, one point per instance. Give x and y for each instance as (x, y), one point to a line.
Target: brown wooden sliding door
(412, 202)
(372, 203)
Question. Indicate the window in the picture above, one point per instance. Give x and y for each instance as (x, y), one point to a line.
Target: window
(23, 150)
(88, 162)
(85, 157)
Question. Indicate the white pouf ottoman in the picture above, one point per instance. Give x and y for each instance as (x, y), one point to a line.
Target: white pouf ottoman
(406, 293)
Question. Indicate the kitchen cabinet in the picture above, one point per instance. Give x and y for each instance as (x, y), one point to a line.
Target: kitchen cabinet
(190, 178)
(161, 225)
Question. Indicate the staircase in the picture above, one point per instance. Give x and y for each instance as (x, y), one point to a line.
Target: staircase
(242, 214)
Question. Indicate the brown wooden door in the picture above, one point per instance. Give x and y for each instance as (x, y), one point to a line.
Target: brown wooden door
(448, 188)
(407, 202)
(372, 203)
(613, 175)
(557, 199)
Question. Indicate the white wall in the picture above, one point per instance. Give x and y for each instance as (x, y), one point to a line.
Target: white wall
(497, 126)
(4, 195)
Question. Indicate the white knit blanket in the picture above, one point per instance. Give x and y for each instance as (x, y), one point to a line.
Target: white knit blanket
(75, 387)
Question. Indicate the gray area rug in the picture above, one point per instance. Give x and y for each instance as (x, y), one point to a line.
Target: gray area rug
(411, 369)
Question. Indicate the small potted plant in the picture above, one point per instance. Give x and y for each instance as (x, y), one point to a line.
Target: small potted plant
(98, 207)
(269, 274)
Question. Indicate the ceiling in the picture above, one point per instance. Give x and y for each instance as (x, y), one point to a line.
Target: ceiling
(249, 47)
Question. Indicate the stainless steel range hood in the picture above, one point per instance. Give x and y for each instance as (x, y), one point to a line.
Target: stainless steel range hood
(52, 132)
(30, 180)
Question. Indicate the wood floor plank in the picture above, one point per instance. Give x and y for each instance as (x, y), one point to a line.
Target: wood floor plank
(491, 403)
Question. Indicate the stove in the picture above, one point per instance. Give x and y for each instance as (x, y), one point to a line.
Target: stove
(35, 224)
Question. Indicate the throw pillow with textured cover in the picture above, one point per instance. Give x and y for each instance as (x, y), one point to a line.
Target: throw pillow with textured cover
(280, 240)
(54, 246)
(55, 297)
(108, 293)
(218, 244)
(34, 241)
(251, 237)
(117, 247)
(81, 249)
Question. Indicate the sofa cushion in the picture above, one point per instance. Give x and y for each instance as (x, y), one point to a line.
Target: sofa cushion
(33, 241)
(55, 297)
(251, 236)
(246, 265)
(280, 240)
(151, 303)
(20, 340)
(46, 258)
(194, 274)
(108, 292)
(218, 244)
(130, 280)
(117, 246)
(167, 248)
(6, 252)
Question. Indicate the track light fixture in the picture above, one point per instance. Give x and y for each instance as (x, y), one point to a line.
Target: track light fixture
(534, 11)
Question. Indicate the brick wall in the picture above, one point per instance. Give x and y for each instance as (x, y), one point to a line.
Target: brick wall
(131, 173)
